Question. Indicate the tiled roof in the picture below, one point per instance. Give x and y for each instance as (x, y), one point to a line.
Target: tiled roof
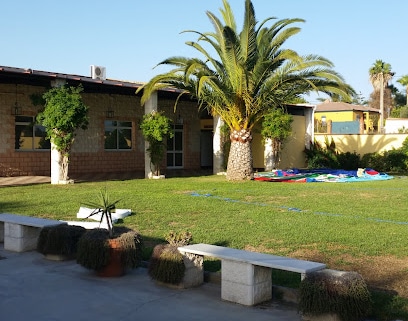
(341, 106)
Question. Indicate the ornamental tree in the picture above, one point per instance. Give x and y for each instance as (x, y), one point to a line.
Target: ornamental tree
(277, 126)
(64, 112)
(156, 128)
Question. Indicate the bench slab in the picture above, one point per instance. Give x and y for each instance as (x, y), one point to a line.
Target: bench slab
(254, 258)
(20, 233)
(246, 276)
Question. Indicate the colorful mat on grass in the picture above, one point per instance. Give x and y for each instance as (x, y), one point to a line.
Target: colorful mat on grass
(321, 175)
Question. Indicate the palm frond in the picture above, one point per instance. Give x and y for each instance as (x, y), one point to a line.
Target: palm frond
(242, 76)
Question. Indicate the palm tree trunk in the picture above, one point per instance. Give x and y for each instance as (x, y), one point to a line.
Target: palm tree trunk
(382, 103)
(240, 157)
(407, 94)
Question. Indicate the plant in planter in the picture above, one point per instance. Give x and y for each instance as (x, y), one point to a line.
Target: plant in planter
(59, 242)
(109, 251)
(156, 128)
(166, 263)
(334, 295)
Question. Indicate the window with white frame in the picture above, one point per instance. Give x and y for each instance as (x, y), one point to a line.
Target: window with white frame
(175, 148)
(29, 135)
(118, 135)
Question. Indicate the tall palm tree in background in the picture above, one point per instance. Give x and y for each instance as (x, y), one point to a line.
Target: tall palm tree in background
(380, 74)
(249, 75)
(404, 81)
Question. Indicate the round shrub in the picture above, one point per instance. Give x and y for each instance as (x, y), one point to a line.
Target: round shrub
(94, 250)
(166, 264)
(334, 292)
(59, 240)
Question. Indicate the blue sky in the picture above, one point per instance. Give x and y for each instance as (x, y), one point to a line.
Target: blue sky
(130, 37)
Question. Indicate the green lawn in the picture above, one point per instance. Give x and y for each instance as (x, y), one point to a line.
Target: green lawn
(368, 218)
(314, 220)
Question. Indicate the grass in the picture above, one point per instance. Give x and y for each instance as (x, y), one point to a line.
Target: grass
(366, 219)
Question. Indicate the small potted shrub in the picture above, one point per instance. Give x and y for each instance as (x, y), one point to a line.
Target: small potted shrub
(166, 264)
(334, 295)
(109, 252)
(59, 242)
(156, 128)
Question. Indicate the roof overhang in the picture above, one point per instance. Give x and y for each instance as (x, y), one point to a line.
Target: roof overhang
(44, 78)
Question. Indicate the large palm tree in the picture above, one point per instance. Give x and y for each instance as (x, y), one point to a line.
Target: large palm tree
(249, 74)
(380, 74)
(404, 81)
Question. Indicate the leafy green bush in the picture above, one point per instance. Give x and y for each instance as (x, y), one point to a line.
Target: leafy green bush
(348, 160)
(395, 160)
(400, 112)
(373, 160)
(318, 156)
(404, 147)
(388, 306)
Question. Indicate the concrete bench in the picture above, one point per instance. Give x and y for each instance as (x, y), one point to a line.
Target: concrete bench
(246, 277)
(20, 233)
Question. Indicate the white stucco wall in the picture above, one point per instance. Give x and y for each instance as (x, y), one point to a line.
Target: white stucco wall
(396, 125)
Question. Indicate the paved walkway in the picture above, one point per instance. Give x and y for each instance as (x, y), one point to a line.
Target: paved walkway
(33, 288)
(94, 177)
(24, 180)
(29, 180)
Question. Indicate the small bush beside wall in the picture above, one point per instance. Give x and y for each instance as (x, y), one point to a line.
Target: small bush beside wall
(394, 160)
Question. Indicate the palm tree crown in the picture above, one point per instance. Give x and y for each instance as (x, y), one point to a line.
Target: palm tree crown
(380, 73)
(250, 73)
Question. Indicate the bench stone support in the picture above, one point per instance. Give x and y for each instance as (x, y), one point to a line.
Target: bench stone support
(1, 232)
(194, 273)
(20, 233)
(245, 283)
(20, 238)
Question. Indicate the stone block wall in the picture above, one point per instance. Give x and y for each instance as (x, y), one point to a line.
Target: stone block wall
(19, 162)
(88, 154)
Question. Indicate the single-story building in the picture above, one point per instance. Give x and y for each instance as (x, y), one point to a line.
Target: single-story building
(113, 142)
(366, 118)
